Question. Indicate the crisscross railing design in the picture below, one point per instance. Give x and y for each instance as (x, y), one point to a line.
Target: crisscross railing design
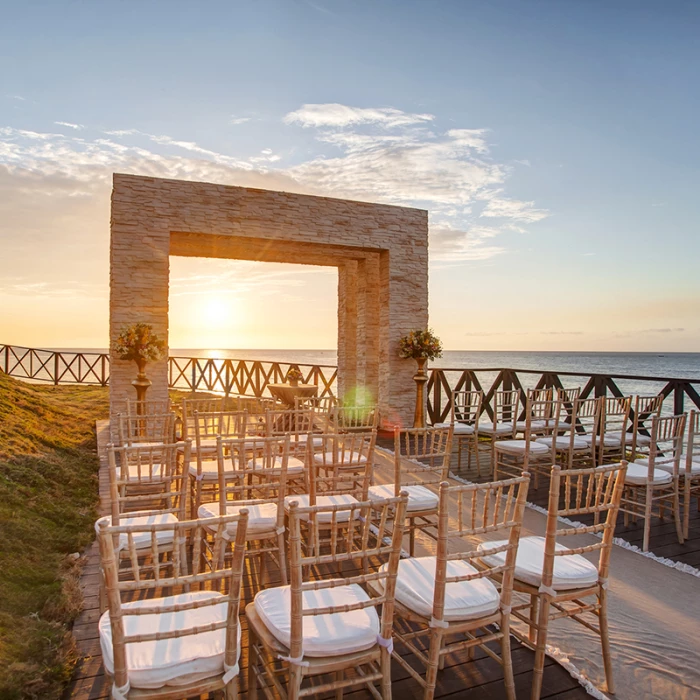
(219, 376)
(56, 367)
(443, 381)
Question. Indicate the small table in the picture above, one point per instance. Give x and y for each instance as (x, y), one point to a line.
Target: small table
(287, 393)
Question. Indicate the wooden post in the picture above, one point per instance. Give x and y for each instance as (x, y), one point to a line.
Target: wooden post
(420, 378)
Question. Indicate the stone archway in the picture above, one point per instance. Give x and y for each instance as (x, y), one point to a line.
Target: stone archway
(381, 253)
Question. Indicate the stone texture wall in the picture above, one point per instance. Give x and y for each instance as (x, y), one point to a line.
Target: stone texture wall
(381, 253)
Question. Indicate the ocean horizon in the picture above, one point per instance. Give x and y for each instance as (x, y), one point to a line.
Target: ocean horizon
(677, 365)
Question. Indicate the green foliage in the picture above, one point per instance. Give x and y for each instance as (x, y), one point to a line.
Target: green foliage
(139, 342)
(48, 499)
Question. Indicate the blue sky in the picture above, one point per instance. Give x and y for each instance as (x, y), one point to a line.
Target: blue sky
(554, 143)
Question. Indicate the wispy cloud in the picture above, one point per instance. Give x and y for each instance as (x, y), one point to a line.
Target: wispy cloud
(238, 120)
(19, 98)
(338, 115)
(70, 125)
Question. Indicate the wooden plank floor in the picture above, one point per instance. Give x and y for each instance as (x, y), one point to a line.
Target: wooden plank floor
(472, 680)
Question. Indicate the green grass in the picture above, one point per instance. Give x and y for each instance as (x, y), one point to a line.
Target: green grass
(48, 501)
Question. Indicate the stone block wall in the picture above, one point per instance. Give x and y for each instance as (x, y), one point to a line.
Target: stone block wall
(381, 253)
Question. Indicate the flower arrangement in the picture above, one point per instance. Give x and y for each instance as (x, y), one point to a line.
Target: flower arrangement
(294, 375)
(140, 344)
(420, 344)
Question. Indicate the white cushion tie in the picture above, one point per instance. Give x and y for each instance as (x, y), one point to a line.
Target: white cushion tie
(434, 622)
(230, 672)
(603, 583)
(296, 660)
(506, 609)
(547, 590)
(388, 644)
(280, 530)
(120, 693)
(199, 476)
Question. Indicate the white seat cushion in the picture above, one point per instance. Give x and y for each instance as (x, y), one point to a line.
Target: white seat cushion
(464, 600)
(521, 425)
(147, 444)
(210, 469)
(294, 465)
(324, 635)
(142, 539)
(419, 497)
(340, 499)
(500, 429)
(458, 428)
(143, 473)
(638, 474)
(563, 443)
(609, 439)
(170, 661)
(316, 440)
(262, 517)
(571, 571)
(346, 457)
(518, 447)
(629, 438)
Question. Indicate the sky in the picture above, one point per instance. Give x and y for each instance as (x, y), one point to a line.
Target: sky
(553, 143)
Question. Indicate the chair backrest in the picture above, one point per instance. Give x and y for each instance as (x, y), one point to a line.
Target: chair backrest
(253, 470)
(148, 480)
(320, 404)
(568, 395)
(540, 394)
(351, 539)
(666, 445)
(583, 418)
(466, 407)
(138, 408)
(583, 492)
(428, 450)
(342, 463)
(190, 406)
(154, 579)
(494, 509)
(345, 419)
(149, 428)
(692, 445)
(290, 422)
(643, 410)
(542, 418)
(224, 423)
(505, 406)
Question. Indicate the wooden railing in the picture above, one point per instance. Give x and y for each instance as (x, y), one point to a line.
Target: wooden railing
(244, 377)
(55, 367)
(229, 377)
(251, 378)
(443, 381)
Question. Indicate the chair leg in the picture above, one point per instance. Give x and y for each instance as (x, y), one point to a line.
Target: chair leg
(532, 628)
(412, 536)
(540, 646)
(507, 660)
(686, 507)
(605, 640)
(252, 662)
(231, 690)
(385, 664)
(647, 519)
(295, 678)
(677, 513)
(459, 456)
(433, 664)
(339, 691)
(282, 558)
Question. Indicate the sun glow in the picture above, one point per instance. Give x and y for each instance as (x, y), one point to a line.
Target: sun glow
(216, 310)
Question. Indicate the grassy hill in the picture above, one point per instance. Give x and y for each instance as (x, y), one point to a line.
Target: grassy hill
(48, 500)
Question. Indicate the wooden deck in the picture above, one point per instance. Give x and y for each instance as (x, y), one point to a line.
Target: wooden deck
(472, 680)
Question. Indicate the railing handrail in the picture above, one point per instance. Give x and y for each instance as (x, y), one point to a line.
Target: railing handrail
(241, 359)
(635, 377)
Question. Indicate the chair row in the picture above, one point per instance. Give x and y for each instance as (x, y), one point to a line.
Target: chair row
(339, 630)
